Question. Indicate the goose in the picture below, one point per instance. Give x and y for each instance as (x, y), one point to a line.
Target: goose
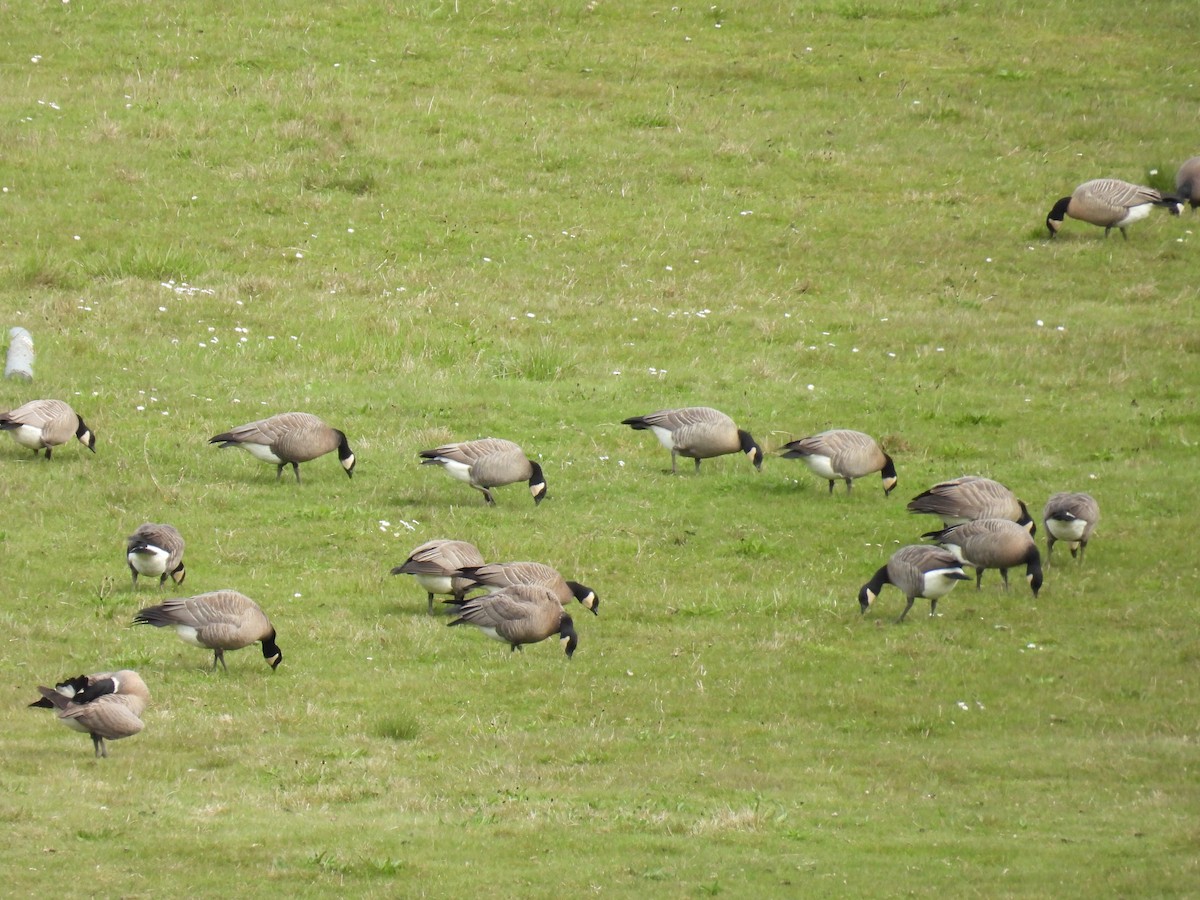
(488, 463)
(497, 576)
(971, 497)
(697, 432)
(289, 439)
(1070, 517)
(1109, 203)
(106, 705)
(1187, 182)
(46, 423)
(520, 614)
(841, 453)
(993, 544)
(155, 550)
(918, 570)
(217, 621)
(434, 563)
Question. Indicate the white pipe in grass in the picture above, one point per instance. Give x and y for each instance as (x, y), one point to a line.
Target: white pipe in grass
(19, 363)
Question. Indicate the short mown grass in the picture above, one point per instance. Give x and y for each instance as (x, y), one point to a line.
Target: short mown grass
(430, 222)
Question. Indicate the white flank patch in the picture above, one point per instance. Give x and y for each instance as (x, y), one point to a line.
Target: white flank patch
(261, 451)
(664, 436)
(938, 583)
(28, 436)
(457, 470)
(190, 635)
(821, 465)
(434, 584)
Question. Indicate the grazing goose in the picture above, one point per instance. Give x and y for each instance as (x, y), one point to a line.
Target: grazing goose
(1109, 203)
(697, 432)
(46, 423)
(497, 576)
(1070, 517)
(1187, 182)
(289, 439)
(971, 497)
(486, 464)
(155, 550)
(919, 571)
(845, 454)
(993, 544)
(520, 614)
(434, 563)
(217, 621)
(107, 705)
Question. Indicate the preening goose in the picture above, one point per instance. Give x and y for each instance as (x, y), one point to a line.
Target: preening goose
(919, 571)
(993, 544)
(697, 432)
(288, 439)
(845, 454)
(1109, 203)
(497, 576)
(106, 705)
(46, 424)
(155, 551)
(1070, 517)
(433, 564)
(488, 463)
(217, 621)
(518, 615)
(971, 497)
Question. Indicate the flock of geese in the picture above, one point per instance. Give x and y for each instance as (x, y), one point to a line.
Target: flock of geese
(984, 524)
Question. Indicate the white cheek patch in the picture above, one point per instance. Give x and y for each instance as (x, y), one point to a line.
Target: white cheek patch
(261, 451)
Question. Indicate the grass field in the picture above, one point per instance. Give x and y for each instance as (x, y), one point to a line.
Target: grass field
(439, 221)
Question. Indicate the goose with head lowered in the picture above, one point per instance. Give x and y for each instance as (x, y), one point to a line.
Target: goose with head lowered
(488, 463)
(972, 497)
(1109, 203)
(1070, 516)
(288, 439)
(993, 544)
(842, 453)
(518, 615)
(495, 577)
(434, 565)
(216, 621)
(46, 424)
(156, 551)
(918, 570)
(697, 433)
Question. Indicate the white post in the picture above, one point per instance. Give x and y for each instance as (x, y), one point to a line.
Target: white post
(20, 355)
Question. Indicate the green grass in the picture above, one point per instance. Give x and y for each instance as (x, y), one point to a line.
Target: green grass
(434, 221)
